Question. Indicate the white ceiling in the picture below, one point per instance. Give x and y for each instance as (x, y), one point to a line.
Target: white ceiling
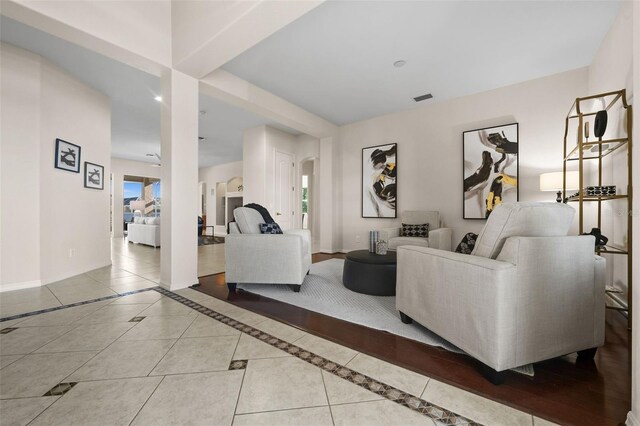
(135, 115)
(222, 126)
(336, 61)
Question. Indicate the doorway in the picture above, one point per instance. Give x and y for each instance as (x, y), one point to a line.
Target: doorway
(284, 189)
(309, 195)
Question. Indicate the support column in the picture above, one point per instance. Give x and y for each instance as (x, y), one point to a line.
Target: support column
(117, 205)
(327, 195)
(179, 198)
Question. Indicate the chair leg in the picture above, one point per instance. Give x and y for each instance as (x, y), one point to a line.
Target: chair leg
(232, 287)
(295, 288)
(587, 354)
(495, 377)
(405, 318)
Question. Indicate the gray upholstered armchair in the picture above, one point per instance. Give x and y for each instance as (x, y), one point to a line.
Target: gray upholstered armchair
(527, 292)
(439, 238)
(252, 257)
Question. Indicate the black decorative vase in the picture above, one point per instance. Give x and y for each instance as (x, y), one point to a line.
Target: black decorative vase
(600, 125)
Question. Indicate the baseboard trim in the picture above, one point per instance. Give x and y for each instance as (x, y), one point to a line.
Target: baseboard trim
(20, 286)
(79, 271)
(179, 286)
(632, 419)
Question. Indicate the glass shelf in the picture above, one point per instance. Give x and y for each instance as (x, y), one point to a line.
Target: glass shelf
(594, 198)
(590, 150)
(611, 249)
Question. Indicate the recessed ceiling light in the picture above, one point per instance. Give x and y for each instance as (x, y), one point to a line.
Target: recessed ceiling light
(399, 64)
(158, 98)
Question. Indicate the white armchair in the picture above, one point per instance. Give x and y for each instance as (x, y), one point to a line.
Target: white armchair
(439, 238)
(252, 257)
(526, 293)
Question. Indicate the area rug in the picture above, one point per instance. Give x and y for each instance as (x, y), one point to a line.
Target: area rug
(205, 240)
(323, 292)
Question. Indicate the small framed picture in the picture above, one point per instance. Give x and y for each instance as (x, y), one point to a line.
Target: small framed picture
(93, 176)
(67, 156)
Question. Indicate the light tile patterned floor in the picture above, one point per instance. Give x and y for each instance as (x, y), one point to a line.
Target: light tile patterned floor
(174, 365)
(135, 267)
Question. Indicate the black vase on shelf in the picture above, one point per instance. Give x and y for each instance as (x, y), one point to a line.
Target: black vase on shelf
(600, 125)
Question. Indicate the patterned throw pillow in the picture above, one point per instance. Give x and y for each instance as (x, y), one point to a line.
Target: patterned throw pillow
(421, 231)
(270, 228)
(467, 243)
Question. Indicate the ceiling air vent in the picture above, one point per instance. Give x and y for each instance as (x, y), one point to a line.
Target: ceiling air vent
(423, 97)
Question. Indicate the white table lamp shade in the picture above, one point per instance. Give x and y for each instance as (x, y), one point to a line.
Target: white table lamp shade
(553, 181)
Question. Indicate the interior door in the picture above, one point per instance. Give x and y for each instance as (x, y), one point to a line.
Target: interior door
(284, 190)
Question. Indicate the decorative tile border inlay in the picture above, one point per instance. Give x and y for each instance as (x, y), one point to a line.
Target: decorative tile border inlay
(136, 319)
(436, 413)
(7, 330)
(60, 389)
(71, 305)
(238, 364)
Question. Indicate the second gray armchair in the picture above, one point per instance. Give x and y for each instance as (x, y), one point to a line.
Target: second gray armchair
(438, 237)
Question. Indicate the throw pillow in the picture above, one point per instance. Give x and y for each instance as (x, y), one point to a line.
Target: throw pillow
(270, 228)
(421, 231)
(467, 244)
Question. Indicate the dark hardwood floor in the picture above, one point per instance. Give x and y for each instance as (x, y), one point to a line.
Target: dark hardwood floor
(563, 390)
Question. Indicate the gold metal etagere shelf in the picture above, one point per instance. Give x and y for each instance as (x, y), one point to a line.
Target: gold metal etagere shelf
(584, 150)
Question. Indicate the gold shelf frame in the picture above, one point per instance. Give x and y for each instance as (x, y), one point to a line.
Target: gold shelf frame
(577, 153)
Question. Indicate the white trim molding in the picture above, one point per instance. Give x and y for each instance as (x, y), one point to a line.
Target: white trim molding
(20, 286)
(632, 419)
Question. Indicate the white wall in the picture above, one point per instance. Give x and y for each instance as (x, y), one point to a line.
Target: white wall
(120, 168)
(430, 149)
(67, 223)
(259, 146)
(20, 163)
(612, 69)
(254, 148)
(212, 175)
(633, 418)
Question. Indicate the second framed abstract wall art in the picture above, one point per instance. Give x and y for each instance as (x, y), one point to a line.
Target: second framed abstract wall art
(93, 176)
(379, 181)
(490, 158)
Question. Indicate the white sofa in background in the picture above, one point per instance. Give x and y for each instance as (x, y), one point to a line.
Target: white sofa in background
(527, 293)
(144, 230)
(252, 257)
(439, 238)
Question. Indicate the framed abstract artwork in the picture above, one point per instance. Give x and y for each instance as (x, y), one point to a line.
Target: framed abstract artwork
(490, 166)
(93, 176)
(379, 181)
(67, 156)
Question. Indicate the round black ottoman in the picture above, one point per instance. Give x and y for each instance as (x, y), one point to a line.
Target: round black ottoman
(370, 273)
